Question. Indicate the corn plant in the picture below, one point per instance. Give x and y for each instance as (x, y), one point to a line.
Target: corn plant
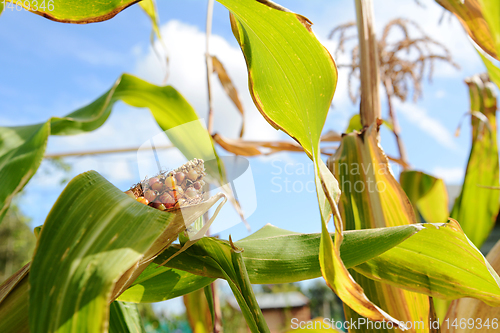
(394, 257)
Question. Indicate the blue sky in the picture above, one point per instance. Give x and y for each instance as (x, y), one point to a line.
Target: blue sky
(50, 69)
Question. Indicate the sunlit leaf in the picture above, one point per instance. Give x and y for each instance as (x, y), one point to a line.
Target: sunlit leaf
(21, 152)
(485, 316)
(198, 312)
(158, 284)
(14, 303)
(477, 205)
(493, 71)
(480, 20)
(292, 84)
(372, 198)
(22, 148)
(75, 11)
(447, 266)
(91, 244)
(427, 194)
(435, 259)
(226, 259)
(354, 124)
(271, 255)
(149, 7)
(124, 318)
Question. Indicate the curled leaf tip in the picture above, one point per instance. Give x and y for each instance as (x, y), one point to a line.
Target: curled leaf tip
(453, 224)
(305, 22)
(234, 247)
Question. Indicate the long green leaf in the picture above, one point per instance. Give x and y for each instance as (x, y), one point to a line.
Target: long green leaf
(292, 79)
(271, 255)
(480, 18)
(226, 258)
(75, 11)
(477, 205)
(372, 198)
(93, 241)
(22, 148)
(427, 194)
(426, 258)
(14, 302)
(439, 261)
(21, 152)
(198, 311)
(485, 317)
(124, 318)
(493, 71)
(158, 284)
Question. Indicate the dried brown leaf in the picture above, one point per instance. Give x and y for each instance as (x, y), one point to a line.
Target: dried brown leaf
(230, 89)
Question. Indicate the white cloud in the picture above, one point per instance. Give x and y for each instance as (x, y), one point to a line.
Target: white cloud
(186, 45)
(440, 94)
(426, 123)
(453, 175)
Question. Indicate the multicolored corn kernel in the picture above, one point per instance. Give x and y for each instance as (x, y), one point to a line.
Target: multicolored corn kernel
(191, 192)
(143, 200)
(193, 175)
(157, 186)
(179, 177)
(150, 195)
(159, 206)
(170, 182)
(167, 200)
(174, 189)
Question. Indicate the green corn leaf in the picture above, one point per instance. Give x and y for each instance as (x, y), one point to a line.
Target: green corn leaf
(226, 259)
(22, 148)
(198, 311)
(354, 124)
(124, 318)
(149, 7)
(427, 194)
(271, 255)
(14, 302)
(480, 20)
(75, 11)
(95, 241)
(372, 198)
(158, 283)
(285, 59)
(485, 316)
(493, 71)
(447, 266)
(477, 205)
(434, 259)
(21, 152)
